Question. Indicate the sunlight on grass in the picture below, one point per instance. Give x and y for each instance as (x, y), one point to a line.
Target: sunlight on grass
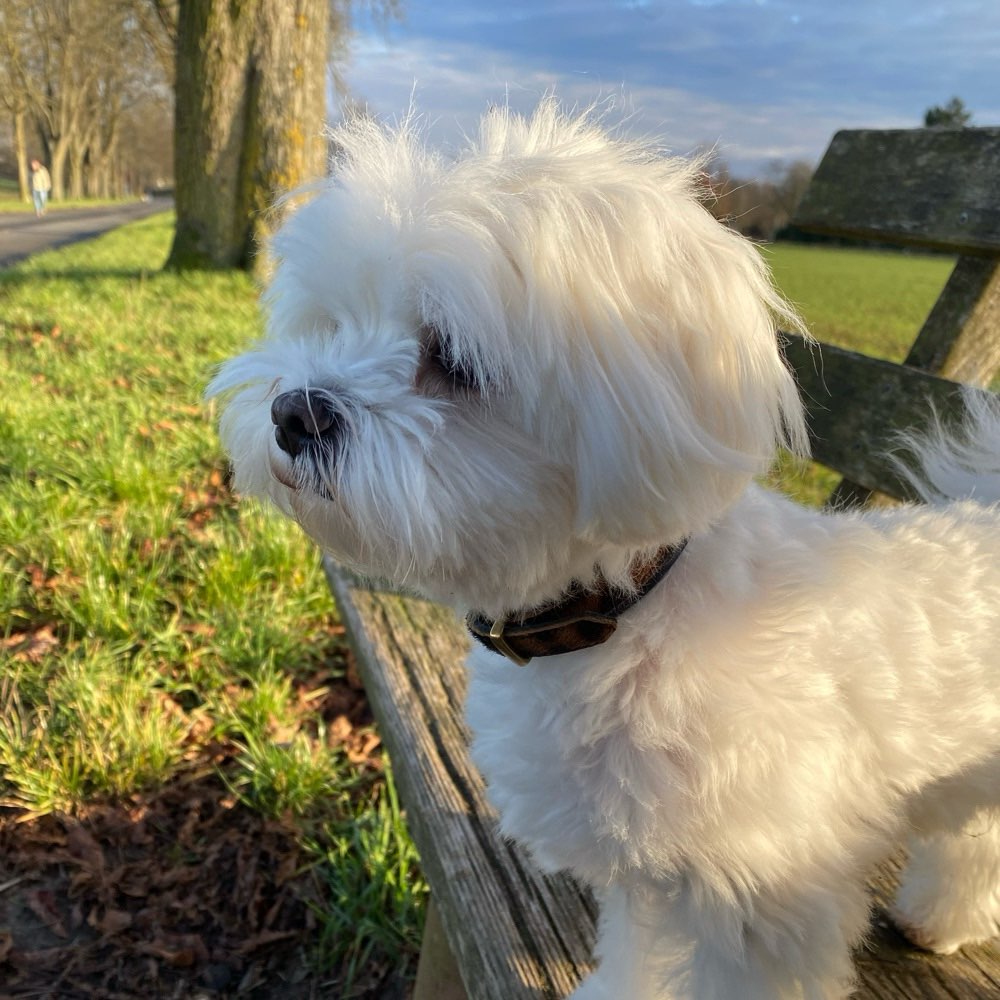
(90, 731)
(152, 622)
(865, 300)
(376, 906)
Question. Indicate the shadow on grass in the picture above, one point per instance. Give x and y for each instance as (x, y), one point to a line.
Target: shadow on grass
(18, 277)
(180, 892)
(182, 889)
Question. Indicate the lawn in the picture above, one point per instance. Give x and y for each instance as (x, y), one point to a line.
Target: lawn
(173, 656)
(192, 795)
(865, 300)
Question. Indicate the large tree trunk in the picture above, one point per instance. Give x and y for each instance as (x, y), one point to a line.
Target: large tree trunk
(21, 155)
(59, 147)
(250, 106)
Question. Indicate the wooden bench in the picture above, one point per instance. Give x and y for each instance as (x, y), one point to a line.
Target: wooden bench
(512, 933)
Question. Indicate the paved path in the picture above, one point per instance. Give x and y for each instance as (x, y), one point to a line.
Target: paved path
(21, 234)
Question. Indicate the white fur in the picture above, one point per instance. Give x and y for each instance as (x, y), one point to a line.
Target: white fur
(800, 689)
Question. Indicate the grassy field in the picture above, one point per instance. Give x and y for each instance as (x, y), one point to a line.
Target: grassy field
(866, 300)
(163, 644)
(153, 631)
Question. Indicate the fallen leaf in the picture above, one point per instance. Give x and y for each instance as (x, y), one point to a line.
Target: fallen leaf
(263, 939)
(112, 922)
(42, 903)
(83, 846)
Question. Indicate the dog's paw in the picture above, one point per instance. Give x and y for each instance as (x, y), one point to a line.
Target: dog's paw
(944, 934)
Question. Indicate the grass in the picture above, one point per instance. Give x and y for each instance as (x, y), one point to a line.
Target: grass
(147, 616)
(865, 300)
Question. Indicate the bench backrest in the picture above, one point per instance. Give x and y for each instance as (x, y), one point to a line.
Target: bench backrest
(936, 189)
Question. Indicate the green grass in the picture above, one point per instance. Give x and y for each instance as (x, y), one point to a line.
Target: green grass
(146, 615)
(864, 300)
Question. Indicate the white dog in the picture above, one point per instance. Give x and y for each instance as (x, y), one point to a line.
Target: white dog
(536, 382)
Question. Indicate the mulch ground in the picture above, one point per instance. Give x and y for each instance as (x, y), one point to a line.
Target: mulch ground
(183, 893)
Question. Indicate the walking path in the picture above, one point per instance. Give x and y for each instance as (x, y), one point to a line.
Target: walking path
(21, 234)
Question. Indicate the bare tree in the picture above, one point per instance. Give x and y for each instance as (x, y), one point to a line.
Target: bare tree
(759, 208)
(71, 72)
(58, 76)
(13, 91)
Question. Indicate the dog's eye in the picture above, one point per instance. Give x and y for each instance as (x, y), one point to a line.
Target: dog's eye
(440, 360)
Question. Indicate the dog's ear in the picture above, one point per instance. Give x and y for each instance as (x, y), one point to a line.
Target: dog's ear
(674, 423)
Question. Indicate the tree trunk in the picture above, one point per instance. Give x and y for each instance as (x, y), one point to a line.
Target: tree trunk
(76, 158)
(21, 155)
(58, 153)
(250, 106)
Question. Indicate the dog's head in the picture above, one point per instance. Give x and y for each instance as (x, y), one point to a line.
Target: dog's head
(482, 376)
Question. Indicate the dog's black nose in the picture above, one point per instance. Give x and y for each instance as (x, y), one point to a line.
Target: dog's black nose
(302, 418)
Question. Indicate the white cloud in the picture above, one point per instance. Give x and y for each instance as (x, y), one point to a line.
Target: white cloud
(765, 81)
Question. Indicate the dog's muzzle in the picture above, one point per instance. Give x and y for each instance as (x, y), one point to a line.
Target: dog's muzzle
(303, 420)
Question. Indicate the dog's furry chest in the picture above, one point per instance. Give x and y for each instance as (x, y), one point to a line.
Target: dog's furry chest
(567, 773)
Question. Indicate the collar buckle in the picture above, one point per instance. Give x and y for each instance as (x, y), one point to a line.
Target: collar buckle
(495, 635)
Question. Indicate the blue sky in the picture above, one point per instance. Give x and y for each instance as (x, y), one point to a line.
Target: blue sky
(765, 80)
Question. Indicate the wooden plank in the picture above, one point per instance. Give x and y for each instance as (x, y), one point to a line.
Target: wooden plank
(960, 339)
(514, 933)
(855, 404)
(935, 188)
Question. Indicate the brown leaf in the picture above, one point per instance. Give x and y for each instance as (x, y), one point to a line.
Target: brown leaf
(6, 944)
(263, 939)
(83, 846)
(42, 903)
(31, 647)
(340, 729)
(359, 750)
(42, 958)
(178, 950)
(111, 922)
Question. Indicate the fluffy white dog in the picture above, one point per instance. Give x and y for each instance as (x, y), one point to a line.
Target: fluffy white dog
(536, 382)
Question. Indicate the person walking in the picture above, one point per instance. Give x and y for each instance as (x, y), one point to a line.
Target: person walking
(41, 185)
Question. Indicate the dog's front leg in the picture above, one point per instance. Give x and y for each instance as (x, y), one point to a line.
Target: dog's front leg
(681, 942)
(628, 946)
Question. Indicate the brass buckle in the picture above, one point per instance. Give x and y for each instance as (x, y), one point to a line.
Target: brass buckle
(500, 643)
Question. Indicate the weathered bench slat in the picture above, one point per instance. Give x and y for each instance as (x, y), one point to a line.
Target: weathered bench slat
(960, 339)
(937, 188)
(515, 934)
(855, 402)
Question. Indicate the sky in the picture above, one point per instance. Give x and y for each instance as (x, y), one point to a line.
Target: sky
(760, 80)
